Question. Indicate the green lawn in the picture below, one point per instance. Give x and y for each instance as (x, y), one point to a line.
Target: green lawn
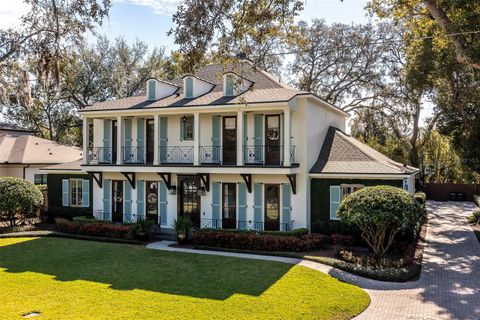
(74, 279)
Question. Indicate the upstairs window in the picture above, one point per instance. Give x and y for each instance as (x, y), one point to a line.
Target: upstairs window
(189, 88)
(229, 85)
(186, 128)
(151, 89)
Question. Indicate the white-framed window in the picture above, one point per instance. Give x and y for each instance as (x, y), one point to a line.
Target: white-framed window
(187, 128)
(40, 179)
(348, 189)
(76, 192)
(229, 85)
(189, 87)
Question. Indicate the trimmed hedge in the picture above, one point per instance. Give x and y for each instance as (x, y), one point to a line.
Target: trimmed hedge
(252, 241)
(96, 229)
(292, 233)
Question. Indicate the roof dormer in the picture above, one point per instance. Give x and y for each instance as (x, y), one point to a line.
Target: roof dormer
(159, 89)
(234, 85)
(194, 87)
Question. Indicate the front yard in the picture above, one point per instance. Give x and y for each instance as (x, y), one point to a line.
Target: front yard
(73, 279)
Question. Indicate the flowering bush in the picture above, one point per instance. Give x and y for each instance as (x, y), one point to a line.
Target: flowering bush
(253, 241)
(96, 229)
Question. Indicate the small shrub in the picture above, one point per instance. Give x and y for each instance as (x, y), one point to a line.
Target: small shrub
(252, 241)
(381, 212)
(421, 197)
(18, 197)
(474, 218)
(341, 240)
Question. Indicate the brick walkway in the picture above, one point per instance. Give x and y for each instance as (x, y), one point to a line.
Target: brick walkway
(449, 284)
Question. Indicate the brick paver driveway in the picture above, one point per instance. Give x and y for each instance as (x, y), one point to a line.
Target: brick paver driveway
(449, 285)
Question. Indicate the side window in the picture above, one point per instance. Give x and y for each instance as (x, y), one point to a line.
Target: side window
(76, 199)
(187, 132)
(40, 179)
(348, 189)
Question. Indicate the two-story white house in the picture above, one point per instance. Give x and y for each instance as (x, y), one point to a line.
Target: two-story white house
(229, 147)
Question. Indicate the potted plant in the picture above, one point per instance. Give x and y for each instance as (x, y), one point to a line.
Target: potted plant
(182, 226)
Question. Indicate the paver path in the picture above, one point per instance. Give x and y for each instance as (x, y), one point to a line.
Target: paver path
(449, 284)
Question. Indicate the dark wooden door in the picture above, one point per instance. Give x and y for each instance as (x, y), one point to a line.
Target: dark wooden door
(150, 141)
(230, 140)
(229, 205)
(272, 207)
(117, 200)
(151, 200)
(114, 141)
(189, 199)
(272, 139)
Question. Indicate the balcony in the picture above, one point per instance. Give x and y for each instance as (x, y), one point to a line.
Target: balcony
(266, 155)
(176, 154)
(101, 155)
(136, 155)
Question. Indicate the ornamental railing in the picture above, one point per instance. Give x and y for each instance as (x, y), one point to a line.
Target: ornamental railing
(99, 155)
(176, 154)
(134, 154)
(257, 154)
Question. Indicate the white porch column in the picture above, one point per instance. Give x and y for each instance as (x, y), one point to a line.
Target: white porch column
(86, 139)
(287, 138)
(120, 139)
(196, 139)
(156, 138)
(240, 138)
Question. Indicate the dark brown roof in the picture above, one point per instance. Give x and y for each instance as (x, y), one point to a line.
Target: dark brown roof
(265, 88)
(341, 153)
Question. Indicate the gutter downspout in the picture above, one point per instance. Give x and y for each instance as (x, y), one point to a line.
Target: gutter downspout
(27, 166)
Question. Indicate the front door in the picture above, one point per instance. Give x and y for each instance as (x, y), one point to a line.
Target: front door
(151, 200)
(114, 141)
(117, 200)
(189, 199)
(229, 205)
(272, 139)
(150, 140)
(272, 207)
(230, 140)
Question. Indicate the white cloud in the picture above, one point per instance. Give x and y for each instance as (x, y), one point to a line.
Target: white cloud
(164, 7)
(10, 13)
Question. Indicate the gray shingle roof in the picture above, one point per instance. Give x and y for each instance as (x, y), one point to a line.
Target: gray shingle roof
(67, 166)
(342, 154)
(265, 88)
(12, 127)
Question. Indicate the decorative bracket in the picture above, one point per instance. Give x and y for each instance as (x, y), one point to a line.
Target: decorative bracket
(248, 181)
(293, 182)
(130, 177)
(205, 177)
(98, 179)
(167, 178)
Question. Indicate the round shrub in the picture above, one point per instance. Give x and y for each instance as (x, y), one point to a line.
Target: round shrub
(17, 198)
(380, 212)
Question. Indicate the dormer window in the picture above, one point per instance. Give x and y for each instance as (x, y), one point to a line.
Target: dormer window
(152, 84)
(229, 85)
(189, 87)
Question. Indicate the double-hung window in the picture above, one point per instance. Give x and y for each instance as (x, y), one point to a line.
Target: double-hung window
(348, 189)
(337, 194)
(75, 192)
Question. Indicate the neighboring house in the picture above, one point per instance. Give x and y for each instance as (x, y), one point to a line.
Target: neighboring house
(229, 147)
(15, 130)
(69, 190)
(23, 155)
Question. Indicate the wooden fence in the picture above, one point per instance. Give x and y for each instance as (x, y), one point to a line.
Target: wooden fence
(443, 191)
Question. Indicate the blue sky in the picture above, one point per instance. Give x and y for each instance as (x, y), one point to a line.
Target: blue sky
(150, 20)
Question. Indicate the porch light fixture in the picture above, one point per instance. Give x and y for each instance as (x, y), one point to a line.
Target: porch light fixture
(184, 119)
(172, 190)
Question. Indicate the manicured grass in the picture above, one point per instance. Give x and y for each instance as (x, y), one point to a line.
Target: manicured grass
(74, 279)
